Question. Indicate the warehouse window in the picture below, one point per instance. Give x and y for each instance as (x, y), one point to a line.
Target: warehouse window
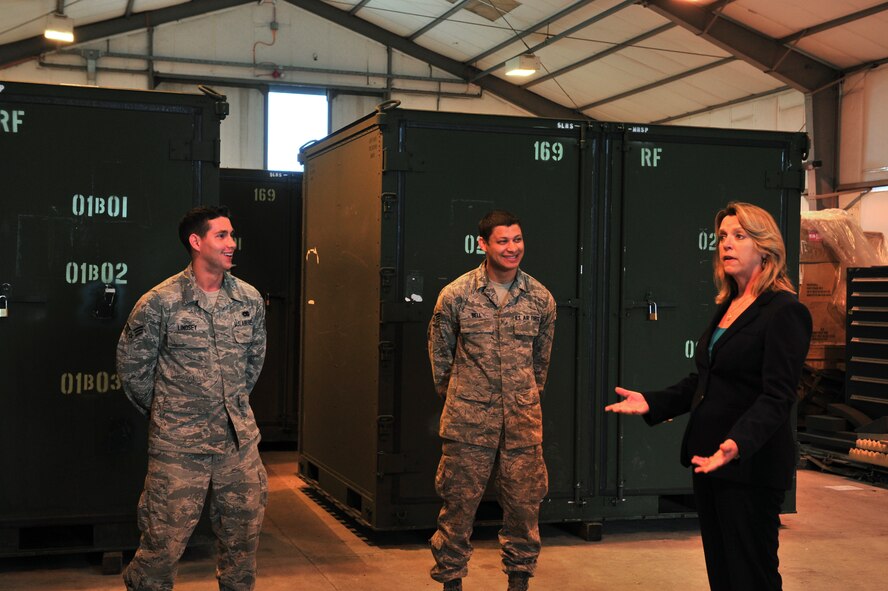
(294, 119)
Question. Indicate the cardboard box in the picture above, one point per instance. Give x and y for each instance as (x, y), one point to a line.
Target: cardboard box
(821, 289)
(831, 240)
(826, 356)
(820, 282)
(829, 324)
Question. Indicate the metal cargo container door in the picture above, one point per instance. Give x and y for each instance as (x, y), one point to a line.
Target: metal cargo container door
(266, 209)
(92, 195)
(339, 353)
(674, 181)
(453, 173)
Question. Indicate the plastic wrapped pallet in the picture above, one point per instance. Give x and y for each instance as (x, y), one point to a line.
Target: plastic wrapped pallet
(831, 241)
(877, 240)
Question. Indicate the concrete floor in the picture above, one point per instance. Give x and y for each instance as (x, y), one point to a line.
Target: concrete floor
(837, 540)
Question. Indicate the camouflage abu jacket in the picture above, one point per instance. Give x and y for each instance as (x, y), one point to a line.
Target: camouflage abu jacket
(193, 369)
(490, 363)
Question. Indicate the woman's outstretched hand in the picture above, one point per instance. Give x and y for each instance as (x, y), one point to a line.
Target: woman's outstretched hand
(727, 452)
(633, 403)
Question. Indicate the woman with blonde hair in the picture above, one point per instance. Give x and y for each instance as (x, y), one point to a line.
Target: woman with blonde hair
(739, 436)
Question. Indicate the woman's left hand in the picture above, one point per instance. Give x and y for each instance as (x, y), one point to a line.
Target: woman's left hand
(727, 452)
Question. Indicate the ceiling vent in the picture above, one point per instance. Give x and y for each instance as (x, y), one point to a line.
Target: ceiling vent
(492, 10)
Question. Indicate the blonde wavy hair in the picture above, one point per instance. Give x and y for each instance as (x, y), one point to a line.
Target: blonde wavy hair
(765, 234)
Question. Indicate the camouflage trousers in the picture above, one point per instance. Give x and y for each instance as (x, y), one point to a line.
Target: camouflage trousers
(521, 483)
(170, 507)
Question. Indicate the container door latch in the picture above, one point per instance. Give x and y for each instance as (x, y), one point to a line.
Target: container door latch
(105, 304)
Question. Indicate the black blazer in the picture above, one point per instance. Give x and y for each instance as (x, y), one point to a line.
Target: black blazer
(745, 392)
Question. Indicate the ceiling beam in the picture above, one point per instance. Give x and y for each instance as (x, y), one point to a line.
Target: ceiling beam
(550, 40)
(358, 7)
(730, 103)
(838, 22)
(437, 21)
(658, 83)
(519, 97)
(602, 54)
(825, 26)
(530, 30)
(25, 49)
(788, 65)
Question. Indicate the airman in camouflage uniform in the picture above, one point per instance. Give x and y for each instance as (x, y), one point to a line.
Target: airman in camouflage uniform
(489, 346)
(188, 357)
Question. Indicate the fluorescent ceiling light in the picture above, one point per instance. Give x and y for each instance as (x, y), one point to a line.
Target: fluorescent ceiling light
(522, 65)
(59, 28)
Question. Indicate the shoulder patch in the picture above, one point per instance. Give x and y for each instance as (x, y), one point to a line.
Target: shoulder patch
(134, 331)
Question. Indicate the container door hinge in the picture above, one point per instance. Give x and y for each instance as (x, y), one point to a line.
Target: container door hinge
(787, 179)
(385, 428)
(196, 151)
(390, 463)
(386, 352)
(387, 278)
(394, 161)
(574, 303)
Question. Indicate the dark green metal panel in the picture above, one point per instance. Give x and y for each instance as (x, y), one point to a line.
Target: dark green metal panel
(434, 178)
(668, 184)
(266, 209)
(92, 196)
(464, 172)
(340, 347)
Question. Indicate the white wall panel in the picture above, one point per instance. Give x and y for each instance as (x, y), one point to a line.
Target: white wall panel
(874, 213)
(347, 108)
(863, 151)
(243, 131)
(487, 104)
(780, 112)
(852, 128)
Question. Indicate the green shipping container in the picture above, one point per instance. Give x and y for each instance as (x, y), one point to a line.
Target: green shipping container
(95, 182)
(266, 211)
(616, 217)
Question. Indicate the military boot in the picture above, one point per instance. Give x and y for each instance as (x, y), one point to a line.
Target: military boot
(453, 585)
(518, 581)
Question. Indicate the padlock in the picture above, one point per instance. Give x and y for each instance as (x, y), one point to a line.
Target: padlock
(105, 304)
(4, 311)
(652, 310)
